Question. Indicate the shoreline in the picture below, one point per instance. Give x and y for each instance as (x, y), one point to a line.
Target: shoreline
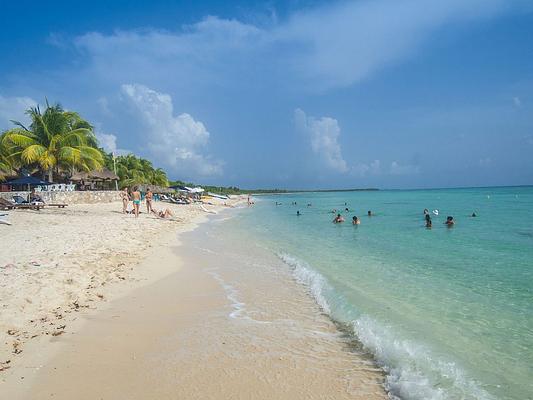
(204, 326)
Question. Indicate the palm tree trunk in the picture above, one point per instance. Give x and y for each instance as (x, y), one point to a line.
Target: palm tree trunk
(51, 175)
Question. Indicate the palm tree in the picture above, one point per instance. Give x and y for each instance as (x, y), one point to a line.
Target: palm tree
(133, 170)
(6, 164)
(159, 178)
(55, 140)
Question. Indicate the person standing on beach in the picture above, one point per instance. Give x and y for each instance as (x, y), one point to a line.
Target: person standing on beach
(124, 195)
(136, 195)
(149, 196)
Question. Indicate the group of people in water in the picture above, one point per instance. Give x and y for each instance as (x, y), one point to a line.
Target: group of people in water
(355, 220)
(450, 222)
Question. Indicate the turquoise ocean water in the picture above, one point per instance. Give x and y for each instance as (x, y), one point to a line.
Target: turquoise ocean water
(446, 312)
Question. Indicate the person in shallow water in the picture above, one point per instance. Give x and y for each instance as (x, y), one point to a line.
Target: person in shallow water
(298, 213)
(426, 211)
(369, 213)
(428, 221)
(355, 221)
(449, 221)
(474, 214)
(338, 219)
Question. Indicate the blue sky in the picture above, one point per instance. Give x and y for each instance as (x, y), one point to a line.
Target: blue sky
(288, 94)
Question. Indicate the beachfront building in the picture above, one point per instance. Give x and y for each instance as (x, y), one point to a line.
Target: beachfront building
(95, 180)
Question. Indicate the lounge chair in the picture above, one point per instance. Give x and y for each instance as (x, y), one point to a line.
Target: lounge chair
(19, 200)
(58, 205)
(7, 205)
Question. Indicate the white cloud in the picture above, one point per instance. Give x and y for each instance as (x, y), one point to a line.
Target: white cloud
(107, 141)
(406, 169)
(338, 45)
(334, 45)
(174, 141)
(13, 108)
(323, 135)
(362, 169)
(517, 102)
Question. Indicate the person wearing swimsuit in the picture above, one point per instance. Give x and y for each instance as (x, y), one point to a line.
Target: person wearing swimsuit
(149, 196)
(124, 195)
(136, 200)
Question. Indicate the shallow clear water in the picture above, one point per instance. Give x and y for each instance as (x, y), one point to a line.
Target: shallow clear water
(447, 312)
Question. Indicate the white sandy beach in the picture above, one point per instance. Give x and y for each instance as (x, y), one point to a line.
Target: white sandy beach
(56, 262)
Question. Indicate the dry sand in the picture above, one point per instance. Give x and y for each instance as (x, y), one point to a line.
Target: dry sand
(57, 262)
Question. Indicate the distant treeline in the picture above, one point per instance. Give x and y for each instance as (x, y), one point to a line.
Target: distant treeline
(237, 190)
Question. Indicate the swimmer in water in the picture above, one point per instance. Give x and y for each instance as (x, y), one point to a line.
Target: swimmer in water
(355, 221)
(474, 214)
(338, 219)
(346, 209)
(369, 213)
(449, 221)
(429, 224)
(298, 213)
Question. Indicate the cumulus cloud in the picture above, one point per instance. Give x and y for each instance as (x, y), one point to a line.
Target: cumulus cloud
(107, 141)
(13, 108)
(174, 141)
(363, 169)
(323, 135)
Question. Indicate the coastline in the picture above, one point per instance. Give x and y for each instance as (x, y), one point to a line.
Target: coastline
(204, 331)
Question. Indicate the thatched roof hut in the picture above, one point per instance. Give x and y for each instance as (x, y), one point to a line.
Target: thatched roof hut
(104, 175)
(155, 189)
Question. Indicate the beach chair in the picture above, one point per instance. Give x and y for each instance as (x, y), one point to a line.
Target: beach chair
(58, 205)
(19, 199)
(7, 205)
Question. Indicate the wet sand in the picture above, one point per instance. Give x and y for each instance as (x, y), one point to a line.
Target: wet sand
(221, 326)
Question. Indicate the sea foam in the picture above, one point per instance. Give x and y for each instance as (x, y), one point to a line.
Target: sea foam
(412, 370)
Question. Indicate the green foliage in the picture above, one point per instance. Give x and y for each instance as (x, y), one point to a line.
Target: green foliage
(6, 163)
(56, 140)
(133, 170)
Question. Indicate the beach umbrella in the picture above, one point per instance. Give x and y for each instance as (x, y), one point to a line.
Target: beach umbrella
(27, 180)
